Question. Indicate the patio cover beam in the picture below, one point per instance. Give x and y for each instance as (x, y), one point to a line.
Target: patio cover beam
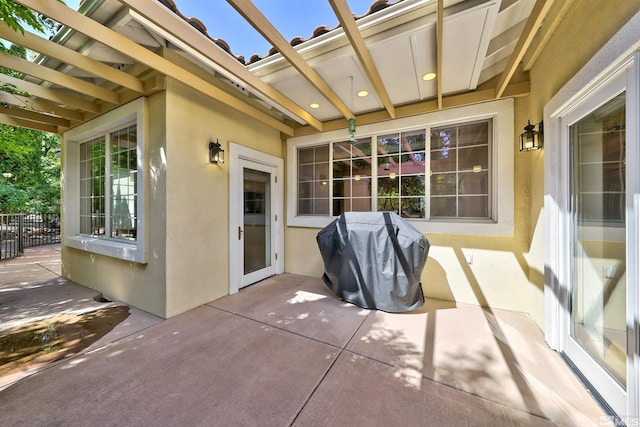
(40, 106)
(346, 19)
(85, 25)
(538, 13)
(70, 57)
(53, 95)
(183, 35)
(62, 79)
(14, 121)
(35, 116)
(553, 20)
(439, 36)
(253, 16)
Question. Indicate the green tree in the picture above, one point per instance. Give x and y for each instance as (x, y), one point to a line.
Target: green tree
(30, 168)
(17, 16)
(29, 162)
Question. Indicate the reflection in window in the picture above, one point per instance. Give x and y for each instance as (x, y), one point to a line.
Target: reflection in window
(108, 185)
(401, 173)
(598, 186)
(460, 171)
(599, 164)
(388, 172)
(313, 180)
(124, 178)
(92, 187)
(352, 176)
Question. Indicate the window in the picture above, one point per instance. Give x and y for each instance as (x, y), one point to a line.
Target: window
(401, 173)
(459, 164)
(599, 163)
(439, 170)
(108, 172)
(313, 181)
(460, 171)
(104, 197)
(352, 176)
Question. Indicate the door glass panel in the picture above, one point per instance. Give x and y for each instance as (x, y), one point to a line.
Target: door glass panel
(598, 298)
(257, 220)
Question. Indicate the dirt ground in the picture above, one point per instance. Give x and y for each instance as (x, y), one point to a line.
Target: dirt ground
(40, 343)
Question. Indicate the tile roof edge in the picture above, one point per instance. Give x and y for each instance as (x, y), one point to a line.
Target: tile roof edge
(376, 6)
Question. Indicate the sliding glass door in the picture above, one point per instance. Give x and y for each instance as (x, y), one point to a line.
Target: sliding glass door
(598, 287)
(596, 269)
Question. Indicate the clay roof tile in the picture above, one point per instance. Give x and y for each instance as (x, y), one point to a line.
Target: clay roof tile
(198, 25)
(376, 6)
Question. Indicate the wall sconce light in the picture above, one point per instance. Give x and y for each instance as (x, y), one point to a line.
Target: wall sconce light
(531, 139)
(216, 153)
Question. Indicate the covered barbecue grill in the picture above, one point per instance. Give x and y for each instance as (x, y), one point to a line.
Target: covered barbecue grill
(374, 260)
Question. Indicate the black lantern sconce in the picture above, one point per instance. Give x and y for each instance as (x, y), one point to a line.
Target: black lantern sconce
(531, 139)
(216, 153)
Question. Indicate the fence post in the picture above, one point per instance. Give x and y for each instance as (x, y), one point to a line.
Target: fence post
(20, 233)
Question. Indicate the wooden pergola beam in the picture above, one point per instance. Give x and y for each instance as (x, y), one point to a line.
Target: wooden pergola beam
(72, 19)
(14, 121)
(62, 79)
(253, 16)
(40, 106)
(35, 116)
(536, 17)
(439, 49)
(346, 19)
(185, 36)
(70, 57)
(52, 95)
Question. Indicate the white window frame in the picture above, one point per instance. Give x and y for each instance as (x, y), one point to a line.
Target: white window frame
(133, 113)
(502, 175)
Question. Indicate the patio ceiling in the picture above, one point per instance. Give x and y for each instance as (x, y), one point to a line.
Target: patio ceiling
(118, 50)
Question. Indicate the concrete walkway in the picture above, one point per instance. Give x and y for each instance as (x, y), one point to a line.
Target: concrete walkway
(286, 352)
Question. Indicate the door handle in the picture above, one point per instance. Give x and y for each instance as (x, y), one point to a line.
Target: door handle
(239, 233)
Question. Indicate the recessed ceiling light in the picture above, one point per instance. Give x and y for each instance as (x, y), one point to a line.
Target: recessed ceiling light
(314, 105)
(363, 93)
(429, 76)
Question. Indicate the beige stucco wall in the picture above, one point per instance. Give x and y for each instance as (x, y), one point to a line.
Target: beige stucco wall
(581, 32)
(198, 193)
(507, 272)
(187, 207)
(141, 285)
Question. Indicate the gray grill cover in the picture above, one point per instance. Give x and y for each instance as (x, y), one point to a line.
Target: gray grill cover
(374, 260)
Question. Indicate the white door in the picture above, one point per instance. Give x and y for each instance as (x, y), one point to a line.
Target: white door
(602, 242)
(256, 227)
(257, 230)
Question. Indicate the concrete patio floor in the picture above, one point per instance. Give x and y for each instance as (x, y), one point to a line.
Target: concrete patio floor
(286, 352)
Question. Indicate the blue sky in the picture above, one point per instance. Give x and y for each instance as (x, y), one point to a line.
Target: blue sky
(291, 17)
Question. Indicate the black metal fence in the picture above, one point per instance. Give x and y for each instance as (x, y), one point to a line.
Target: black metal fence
(19, 231)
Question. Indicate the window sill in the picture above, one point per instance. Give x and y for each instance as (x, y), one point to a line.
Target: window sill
(478, 228)
(119, 250)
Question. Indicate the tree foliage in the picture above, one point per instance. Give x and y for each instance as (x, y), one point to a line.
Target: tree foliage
(29, 163)
(17, 17)
(29, 159)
